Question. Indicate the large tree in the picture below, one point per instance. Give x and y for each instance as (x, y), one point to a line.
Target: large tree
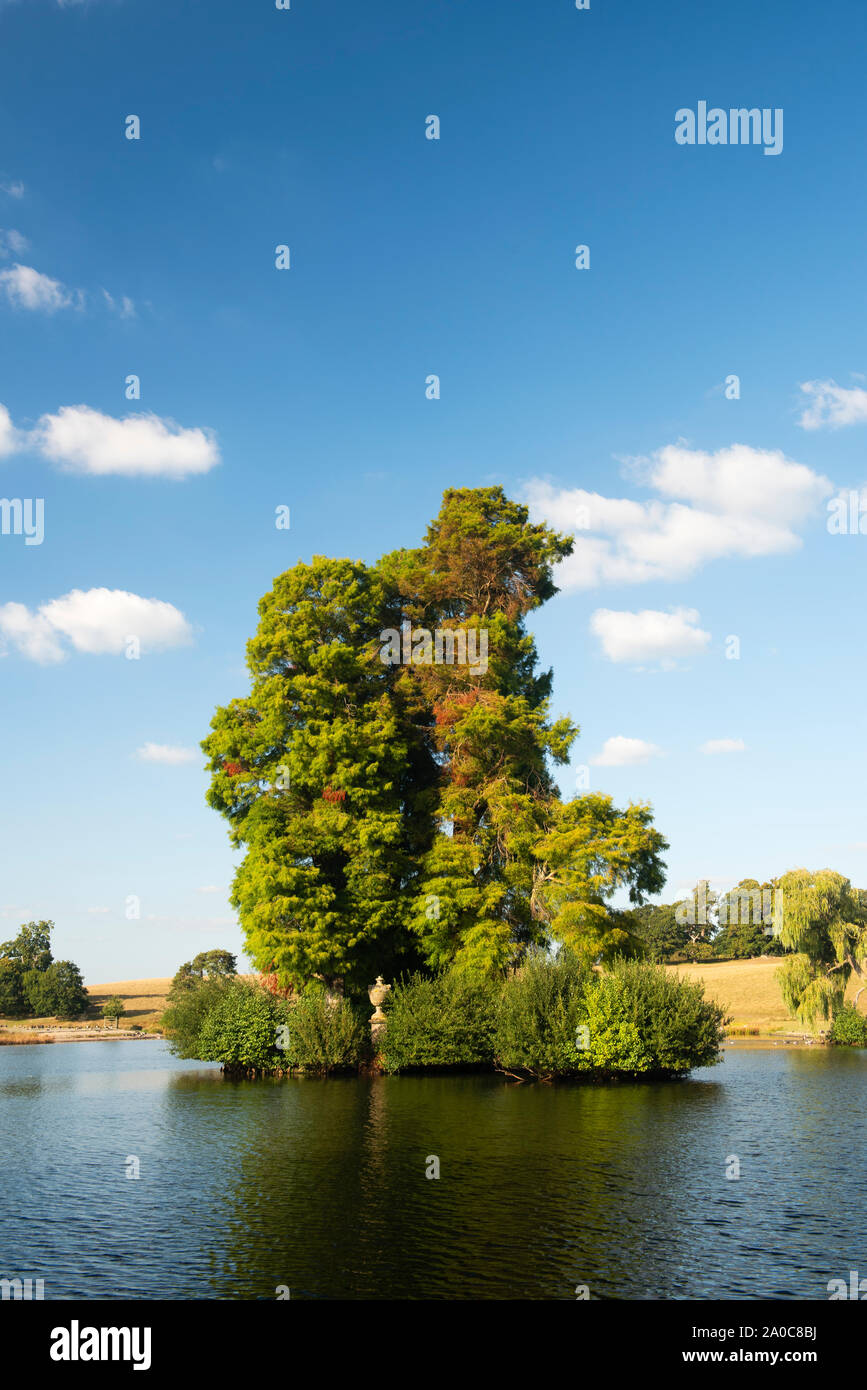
(397, 804)
(324, 775)
(824, 921)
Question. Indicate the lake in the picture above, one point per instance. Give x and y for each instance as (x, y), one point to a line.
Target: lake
(321, 1186)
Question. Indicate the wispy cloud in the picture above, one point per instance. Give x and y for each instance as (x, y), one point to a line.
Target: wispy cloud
(723, 745)
(124, 307)
(26, 288)
(169, 754)
(12, 243)
(13, 189)
(831, 406)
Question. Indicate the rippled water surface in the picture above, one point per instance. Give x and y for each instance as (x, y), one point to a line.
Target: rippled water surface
(320, 1185)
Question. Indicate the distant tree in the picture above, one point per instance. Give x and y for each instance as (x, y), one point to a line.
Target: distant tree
(114, 1008)
(13, 997)
(824, 921)
(210, 965)
(657, 927)
(69, 998)
(697, 914)
(31, 947)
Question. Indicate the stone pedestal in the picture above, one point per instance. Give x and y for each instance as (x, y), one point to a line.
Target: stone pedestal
(376, 994)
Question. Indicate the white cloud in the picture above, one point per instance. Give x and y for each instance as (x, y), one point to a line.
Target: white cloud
(27, 288)
(649, 635)
(10, 440)
(95, 621)
(625, 752)
(14, 189)
(211, 888)
(87, 441)
(723, 745)
(166, 753)
(30, 633)
(832, 405)
(738, 501)
(125, 309)
(12, 243)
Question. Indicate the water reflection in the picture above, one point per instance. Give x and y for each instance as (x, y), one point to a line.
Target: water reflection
(322, 1186)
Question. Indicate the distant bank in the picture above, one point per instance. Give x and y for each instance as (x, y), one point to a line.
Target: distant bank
(747, 989)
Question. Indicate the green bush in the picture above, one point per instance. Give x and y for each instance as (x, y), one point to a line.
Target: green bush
(849, 1028)
(448, 1020)
(540, 1011)
(184, 1020)
(324, 1034)
(641, 1018)
(240, 1029)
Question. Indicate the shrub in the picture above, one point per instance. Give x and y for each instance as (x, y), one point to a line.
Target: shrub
(641, 1018)
(183, 1021)
(323, 1034)
(849, 1028)
(240, 1027)
(540, 1010)
(447, 1020)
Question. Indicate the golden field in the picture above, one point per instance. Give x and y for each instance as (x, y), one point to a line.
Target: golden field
(750, 993)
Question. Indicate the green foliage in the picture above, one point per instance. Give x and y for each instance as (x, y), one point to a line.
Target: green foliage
(447, 1020)
(13, 997)
(31, 948)
(395, 815)
(188, 1010)
(114, 1008)
(57, 991)
(849, 1028)
(825, 925)
(614, 1041)
(240, 1028)
(324, 1034)
(657, 927)
(541, 1008)
(209, 965)
(590, 851)
(325, 778)
(642, 1018)
(32, 983)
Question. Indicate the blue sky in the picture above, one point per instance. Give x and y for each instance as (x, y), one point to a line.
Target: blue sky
(591, 389)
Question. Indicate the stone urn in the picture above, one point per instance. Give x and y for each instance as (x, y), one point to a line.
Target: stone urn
(376, 994)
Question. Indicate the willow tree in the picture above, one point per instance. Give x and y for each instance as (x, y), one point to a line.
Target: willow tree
(396, 800)
(824, 921)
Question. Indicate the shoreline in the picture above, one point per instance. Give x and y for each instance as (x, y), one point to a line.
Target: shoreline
(69, 1035)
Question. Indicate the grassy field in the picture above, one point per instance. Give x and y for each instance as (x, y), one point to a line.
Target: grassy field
(747, 989)
(145, 1001)
(750, 993)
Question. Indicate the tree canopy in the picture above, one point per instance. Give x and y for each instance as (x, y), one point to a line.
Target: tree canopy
(401, 813)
